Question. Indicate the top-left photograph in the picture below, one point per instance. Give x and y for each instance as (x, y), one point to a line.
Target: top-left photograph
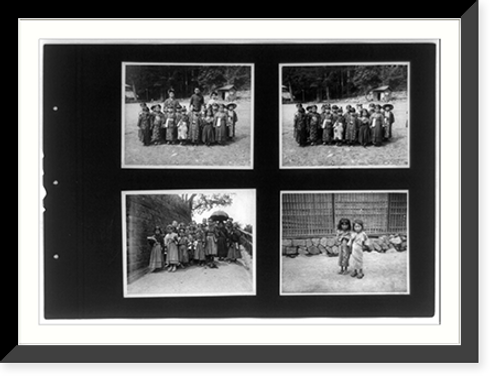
(187, 115)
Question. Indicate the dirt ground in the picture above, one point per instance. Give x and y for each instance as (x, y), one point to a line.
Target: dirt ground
(393, 153)
(384, 273)
(228, 278)
(236, 153)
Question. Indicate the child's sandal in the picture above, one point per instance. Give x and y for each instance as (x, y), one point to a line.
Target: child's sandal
(354, 274)
(360, 276)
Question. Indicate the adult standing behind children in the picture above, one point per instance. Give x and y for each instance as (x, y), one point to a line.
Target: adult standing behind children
(196, 102)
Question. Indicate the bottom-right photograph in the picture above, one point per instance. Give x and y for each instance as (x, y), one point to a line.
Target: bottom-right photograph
(344, 242)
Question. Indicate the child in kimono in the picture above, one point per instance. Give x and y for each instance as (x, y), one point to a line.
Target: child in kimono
(357, 241)
(182, 126)
(351, 127)
(144, 125)
(157, 121)
(364, 129)
(221, 236)
(343, 239)
(199, 242)
(220, 123)
(388, 121)
(338, 131)
(207, 135)
(195, 127)
(171, 126)
(376, 126)
(327, 121)
(314, 125)
(300, 127)
(183, 247)
(233, 243)
(172, 252)
(210, 242)
(156, 257)
(232, 119)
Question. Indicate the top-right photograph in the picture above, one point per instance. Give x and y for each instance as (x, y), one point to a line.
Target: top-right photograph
(349, 115)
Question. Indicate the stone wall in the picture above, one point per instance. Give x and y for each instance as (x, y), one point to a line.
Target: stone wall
(328, 245)
(144, 212)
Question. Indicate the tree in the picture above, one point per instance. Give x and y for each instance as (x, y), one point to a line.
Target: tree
(199, 202)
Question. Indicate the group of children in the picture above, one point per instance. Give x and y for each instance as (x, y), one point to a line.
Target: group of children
(212, 124)
(194, 244)
(335, 126)
(351, 241)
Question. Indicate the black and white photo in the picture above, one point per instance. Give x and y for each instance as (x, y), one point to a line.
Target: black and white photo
(344, 242)
(182, 115)
(189, 243)
(351, 115)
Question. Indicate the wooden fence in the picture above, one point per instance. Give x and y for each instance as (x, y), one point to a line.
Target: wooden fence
(317, 214)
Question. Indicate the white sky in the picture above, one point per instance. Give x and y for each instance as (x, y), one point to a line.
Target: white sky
(241, 210)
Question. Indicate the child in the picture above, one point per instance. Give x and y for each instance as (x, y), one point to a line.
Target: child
(300, 127)
(358, 239)
(351, 127)
(171, 127)
(221, 235)
(183, 247)
(156, 256)
(182, 126)
(207, 135)
(143, 123)
(343, 238)
(171, 240)
(233, 241)
(376, 125)
(220, 126)
(388, 121)
(364, 128)
(232, 119)
(195, 127)
(157, 120)
(314, 125)
(199, 245)
(210, 242)
(327, 121)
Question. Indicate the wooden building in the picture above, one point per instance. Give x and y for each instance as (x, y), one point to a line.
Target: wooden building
(227, 92)
(315, 215)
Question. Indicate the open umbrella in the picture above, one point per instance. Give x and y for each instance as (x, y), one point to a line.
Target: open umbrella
(219, 216)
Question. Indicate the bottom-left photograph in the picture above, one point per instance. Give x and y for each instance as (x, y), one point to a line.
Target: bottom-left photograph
(189, 242)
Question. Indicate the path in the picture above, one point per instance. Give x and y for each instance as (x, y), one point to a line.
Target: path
(228, 278)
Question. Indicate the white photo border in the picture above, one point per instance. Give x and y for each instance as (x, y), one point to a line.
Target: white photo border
(124, 165)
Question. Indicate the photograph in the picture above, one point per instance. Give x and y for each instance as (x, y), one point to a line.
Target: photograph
(344, 242)
(344, 115)
(189, 243)
(180, 115)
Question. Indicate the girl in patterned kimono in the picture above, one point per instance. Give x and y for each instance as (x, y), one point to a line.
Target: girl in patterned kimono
(171, 241)
(376, 125)
(232, 119)
(220, 121)
(314, 125)
(157, 121)
(171, 126)
(327, 121)
(300, 127)
(156, 256)
(343, 238)
(351, 127)
(357, 241)
(195, 127)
